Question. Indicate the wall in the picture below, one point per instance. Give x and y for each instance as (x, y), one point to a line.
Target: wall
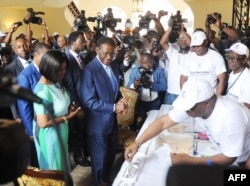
(54, 18)
(202, 7)
(56, 21)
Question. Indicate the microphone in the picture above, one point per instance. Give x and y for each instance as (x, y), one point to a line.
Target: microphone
(8, 86)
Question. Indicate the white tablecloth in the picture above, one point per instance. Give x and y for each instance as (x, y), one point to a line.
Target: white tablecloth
(153, 165)
(150, 164)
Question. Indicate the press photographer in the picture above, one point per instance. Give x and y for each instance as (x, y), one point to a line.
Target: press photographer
(6, 38)
(128, 54)
(227, 34)
(80, 22)
(109, 22)
(32, 18)
(149, 80)
(144, 22)
(176, 54)
(127, 43)
(216, 20)
(176, 20)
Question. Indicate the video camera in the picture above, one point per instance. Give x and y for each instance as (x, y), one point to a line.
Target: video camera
(211, 19)
(81, 22)
(177, 19)
(33, 18)
(109, 20)
(145, 21)
(19, 23)
(145, 78)
(129, 43)
(156, 46)
(112, 23)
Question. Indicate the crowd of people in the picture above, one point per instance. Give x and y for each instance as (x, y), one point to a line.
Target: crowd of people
(78, 77)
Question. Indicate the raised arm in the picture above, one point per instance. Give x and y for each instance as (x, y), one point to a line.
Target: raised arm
(46, 34)
(8, 38)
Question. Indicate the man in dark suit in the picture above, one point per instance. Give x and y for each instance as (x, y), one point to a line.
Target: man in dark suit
(100, 94)
(15, 67)
(77, 126)
(28, 78)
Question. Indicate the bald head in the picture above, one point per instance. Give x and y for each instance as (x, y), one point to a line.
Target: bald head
(62, 41)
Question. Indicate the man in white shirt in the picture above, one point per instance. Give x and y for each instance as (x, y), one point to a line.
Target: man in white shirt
(176, 55)
(204, 63)
(226, 123)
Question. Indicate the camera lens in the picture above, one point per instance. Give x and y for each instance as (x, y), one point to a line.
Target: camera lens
(36, 20)
(211, 20)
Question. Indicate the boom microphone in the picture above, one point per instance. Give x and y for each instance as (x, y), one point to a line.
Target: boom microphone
(8, 86)
(22, 93)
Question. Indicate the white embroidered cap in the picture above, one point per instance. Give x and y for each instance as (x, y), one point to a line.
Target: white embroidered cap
(239, 48)
(193, 91)
(197, 38)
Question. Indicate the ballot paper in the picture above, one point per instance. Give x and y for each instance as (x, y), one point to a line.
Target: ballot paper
(178, 143)
(205, 148)
(186, 127)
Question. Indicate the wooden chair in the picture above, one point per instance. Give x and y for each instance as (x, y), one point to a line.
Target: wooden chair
(34, 176)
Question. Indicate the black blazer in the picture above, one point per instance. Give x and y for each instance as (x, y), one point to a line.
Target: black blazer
(14, 69)
(72, 76)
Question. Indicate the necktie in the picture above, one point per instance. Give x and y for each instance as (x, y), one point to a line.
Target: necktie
(80, 62)
(111, 78)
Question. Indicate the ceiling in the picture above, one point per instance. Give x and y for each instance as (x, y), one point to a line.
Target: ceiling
(34, 3)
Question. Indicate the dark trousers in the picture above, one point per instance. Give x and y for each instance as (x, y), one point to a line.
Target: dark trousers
(33, 155)
(144, 106)
(78, 137)
(102, 152)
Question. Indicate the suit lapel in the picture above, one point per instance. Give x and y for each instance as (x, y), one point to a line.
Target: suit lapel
(102, 73)
(19, 65)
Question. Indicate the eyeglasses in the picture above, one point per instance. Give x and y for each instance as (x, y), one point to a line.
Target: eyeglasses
(234, 59)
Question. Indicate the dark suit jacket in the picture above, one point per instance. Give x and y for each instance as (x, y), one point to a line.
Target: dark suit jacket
(98, 97)
(28, 78)
(14, 68)
(72, 77)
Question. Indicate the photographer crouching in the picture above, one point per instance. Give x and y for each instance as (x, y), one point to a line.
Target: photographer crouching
(149, 80)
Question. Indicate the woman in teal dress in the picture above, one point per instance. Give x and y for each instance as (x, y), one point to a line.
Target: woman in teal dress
(52, 154)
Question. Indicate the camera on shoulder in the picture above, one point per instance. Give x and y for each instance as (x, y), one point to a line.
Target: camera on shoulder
(144, 22)
(177, 19)
(145, 78)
